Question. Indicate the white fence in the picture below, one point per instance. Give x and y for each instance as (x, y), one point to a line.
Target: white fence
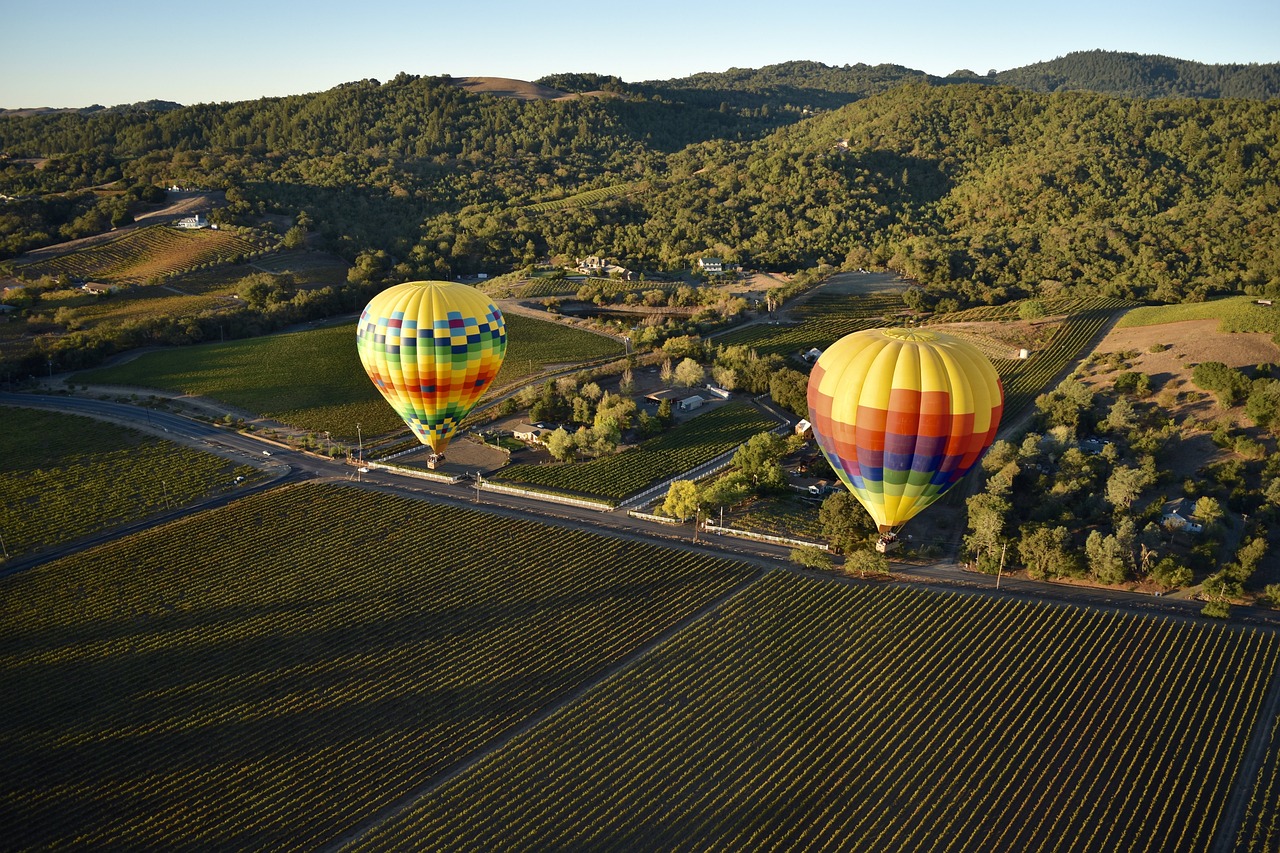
(414, 472)
(764, 537)
(647, 516)
(487, 486)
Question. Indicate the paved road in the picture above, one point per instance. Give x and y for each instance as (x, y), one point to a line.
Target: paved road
(294, 466)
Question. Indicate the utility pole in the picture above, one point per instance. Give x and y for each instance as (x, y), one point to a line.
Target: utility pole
(3, 548)
(1000, 570)
(479, 483)
(360, 439)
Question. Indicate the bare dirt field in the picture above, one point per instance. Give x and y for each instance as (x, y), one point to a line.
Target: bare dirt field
(1190, 342)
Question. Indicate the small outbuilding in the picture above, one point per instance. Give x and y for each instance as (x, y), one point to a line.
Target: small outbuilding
(688, 404)
(804, 429)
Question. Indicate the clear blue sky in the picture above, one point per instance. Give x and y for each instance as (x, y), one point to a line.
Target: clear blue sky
(72, 53)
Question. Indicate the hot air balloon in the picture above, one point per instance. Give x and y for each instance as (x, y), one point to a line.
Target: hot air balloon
(902, 415)
(432, 348)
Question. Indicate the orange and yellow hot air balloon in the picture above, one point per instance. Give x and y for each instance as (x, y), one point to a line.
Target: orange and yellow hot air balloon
(902, 415)
(432, 348)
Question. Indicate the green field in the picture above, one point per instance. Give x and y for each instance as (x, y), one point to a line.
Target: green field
(1236, 313)
(686, 446)
(818, 715)
(63, 477)
(269, 674)
(313, 379)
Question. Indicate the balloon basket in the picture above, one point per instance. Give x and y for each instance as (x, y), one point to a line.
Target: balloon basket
(434, 460)
(888, 542)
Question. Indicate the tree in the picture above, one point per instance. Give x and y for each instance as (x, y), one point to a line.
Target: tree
(626, 384)
(1169, 573)
(759, 460)
(682, 500)
(666, 372)
(1230, 385)
(1125, 486)
(689, 373)
(1031, 309)
(1106, 558)
(1046, 552)
(1263, 404)
(664, 413)
(1121, 415)
(846, 525)
(865, 560)
(811, 557)
(999, 455)
(790, 390)
(1133, 382)
(560, 445)
(985, 539)
(1208, 510)
(294, 238)
(726, 491)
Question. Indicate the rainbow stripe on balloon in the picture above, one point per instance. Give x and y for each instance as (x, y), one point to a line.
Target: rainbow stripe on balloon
(902, 415)
(432, 348)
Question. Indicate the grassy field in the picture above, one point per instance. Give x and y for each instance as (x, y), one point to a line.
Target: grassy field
(814, 715)
(1236, 313)
(267, 675)
(313, 379)
(686, 446)
(63, 477)
(140, 254)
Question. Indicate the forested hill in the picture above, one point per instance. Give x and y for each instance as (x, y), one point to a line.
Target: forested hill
(982, 192)
(1133, 75)
(819, 86)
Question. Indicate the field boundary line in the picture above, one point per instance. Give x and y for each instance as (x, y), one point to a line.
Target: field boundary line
(447, 774)
(1224, 840)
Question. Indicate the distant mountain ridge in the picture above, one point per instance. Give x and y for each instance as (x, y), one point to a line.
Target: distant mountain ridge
(1133, 75)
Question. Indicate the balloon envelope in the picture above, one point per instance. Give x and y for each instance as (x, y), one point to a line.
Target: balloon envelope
(432, 348)
(902, 415)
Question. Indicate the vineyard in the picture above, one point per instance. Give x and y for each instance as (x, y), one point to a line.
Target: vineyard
(812, 715)
(1024, 380)
(313, 380)
(584, 199)
(824, 319)
(142, 254)
(539, 288)
(1260, 829)
(682, 448)
(63, 477)
(269, 674)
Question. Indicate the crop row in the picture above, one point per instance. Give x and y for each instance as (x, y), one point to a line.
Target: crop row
(581, 199)
(1260, 828)
(682, 448)
(823, 321)
(811, 715)
(63, 477)
(1024, 380)
(140, 254)
(269, 674)
(542, 287)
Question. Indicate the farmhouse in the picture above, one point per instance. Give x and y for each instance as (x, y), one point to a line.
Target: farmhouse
(192, 223)
(711, 266)
(531, 433)
(1179, 514)
(98, 289)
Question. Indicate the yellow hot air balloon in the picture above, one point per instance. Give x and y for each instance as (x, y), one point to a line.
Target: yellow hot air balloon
(902, 415)
(432, 348)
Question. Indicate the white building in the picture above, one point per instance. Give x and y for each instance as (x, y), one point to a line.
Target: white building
(688, 404)
(711, 266)
(193, 222)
